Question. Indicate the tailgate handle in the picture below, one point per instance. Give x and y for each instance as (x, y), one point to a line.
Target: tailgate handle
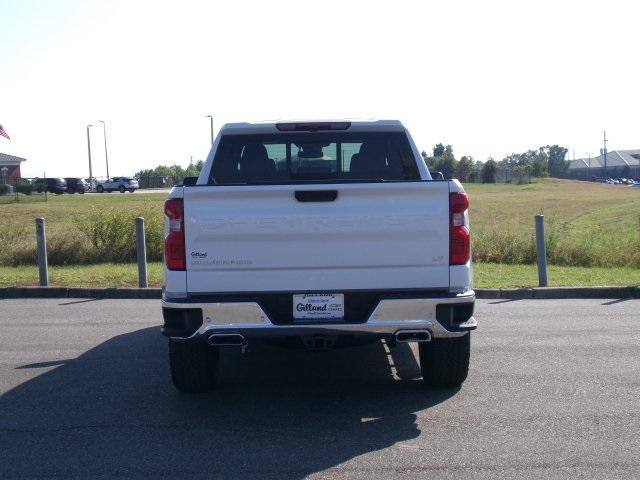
(316, 195)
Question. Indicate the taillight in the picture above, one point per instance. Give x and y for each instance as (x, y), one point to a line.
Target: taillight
(174, 241)
(460, 244)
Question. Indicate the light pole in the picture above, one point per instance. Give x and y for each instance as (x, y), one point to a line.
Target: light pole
(605, 153)
(89, 150)
(211, 124)
(106, 156)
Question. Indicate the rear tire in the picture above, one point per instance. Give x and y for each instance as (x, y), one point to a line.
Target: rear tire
(99, 189)
(444, 362)
(194, 366)
(122, 189)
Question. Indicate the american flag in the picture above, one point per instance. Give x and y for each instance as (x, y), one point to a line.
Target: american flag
(3, 133)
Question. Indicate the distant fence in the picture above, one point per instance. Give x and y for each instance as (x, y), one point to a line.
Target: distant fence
(511, 175)
(36, 189)
(503, 174)
(148, 181)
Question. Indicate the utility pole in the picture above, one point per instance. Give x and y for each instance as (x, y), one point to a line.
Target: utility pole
(106, 156)
(211, 125)
(605, 152)
(89, 151)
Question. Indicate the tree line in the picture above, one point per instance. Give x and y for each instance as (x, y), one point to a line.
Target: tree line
(549, 160)
(172, 175)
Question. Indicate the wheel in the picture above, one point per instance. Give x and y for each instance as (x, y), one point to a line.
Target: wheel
(444, 362)
(99, 189)
(122, 189)
(81, 192)
(194, 366)
(131, 190)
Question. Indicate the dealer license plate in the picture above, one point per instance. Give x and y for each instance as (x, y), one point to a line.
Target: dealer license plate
(318, 306)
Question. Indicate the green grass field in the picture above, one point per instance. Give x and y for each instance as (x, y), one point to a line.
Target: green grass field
(588, 225)
(486, 275)
(81, 229)
(61, 211)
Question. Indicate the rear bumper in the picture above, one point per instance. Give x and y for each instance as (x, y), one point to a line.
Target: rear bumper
(444, 317)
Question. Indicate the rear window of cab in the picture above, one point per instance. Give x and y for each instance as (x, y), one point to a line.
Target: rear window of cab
(313, 157)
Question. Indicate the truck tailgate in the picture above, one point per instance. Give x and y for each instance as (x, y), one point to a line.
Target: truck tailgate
(263, 239)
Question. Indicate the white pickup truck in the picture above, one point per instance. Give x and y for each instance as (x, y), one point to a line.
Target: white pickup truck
(321, 233)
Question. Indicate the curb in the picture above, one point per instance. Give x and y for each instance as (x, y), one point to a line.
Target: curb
(548, 293)
(482, 293)
(63, 292)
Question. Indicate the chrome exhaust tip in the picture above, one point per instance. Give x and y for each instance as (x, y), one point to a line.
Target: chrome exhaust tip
(413, 336)
(226, 339)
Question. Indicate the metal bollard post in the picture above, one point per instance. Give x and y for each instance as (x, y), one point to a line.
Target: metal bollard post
(41, 237)
(141, 249)
(541, 250)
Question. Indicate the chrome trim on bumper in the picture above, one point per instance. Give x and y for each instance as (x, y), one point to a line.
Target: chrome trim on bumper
(414, 308)
(231, 313)
(390, 316)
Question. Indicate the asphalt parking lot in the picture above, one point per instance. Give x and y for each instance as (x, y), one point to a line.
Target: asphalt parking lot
(553, 392)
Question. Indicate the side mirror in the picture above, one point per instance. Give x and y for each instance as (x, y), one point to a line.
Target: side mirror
(189, 181)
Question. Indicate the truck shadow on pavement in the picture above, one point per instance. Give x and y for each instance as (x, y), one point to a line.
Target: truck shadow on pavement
(277, 413)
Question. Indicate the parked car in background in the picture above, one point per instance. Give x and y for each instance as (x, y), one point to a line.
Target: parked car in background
(121, 184)
(51, 185)
(77, 185)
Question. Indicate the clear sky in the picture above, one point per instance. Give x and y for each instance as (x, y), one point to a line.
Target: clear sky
(488, 77)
